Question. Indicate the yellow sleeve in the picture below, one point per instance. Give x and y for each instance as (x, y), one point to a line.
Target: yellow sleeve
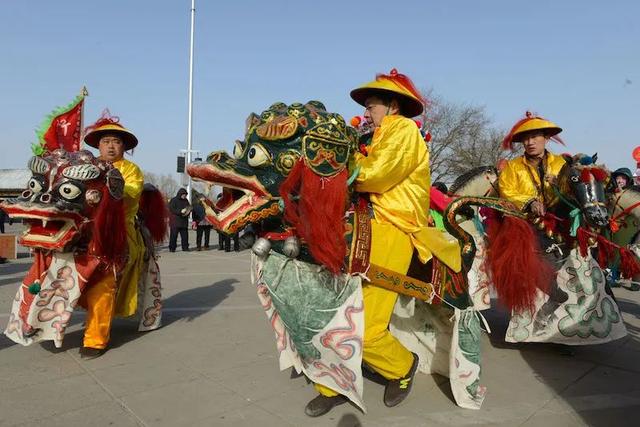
(511, 187)
(391, 158)
(133, 181)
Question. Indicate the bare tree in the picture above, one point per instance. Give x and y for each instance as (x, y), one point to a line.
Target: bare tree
(166, 183)
(463, 137)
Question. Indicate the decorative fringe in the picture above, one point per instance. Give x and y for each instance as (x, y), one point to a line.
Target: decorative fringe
(154, 212)
(599, 174)
(318, 213)
(516, 264)
(507, 143)
(583, 241)
(105, 119)
(403, 81)
(109, 229)
(629, 267)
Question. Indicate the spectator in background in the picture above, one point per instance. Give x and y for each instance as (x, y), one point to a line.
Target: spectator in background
(203, 227)
(3, 218)
(224, 242)
(180, 209)
(622, 179)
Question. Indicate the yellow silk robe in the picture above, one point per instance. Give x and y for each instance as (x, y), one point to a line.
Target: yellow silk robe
(396, 175)
(127, 297)
(519, 181)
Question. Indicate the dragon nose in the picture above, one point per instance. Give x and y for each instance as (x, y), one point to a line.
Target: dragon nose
(45, 198)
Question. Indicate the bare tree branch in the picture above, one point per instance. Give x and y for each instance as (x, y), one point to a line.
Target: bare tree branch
(463, 137)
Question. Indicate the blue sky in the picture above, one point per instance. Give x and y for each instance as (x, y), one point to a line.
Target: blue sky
(574, 62)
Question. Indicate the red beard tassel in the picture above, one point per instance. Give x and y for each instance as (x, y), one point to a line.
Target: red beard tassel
(517, 266)
(583, 241)
(109, 229)
(318, 213)
(154, 212)
(628, 264)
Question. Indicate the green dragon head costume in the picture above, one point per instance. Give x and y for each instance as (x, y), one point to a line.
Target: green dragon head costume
(294, 156)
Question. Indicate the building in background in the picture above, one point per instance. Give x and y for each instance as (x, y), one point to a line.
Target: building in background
(13, 182)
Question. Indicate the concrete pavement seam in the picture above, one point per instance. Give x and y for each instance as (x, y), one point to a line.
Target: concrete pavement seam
(117, 400)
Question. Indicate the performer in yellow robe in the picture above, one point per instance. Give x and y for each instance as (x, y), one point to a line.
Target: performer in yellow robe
(395, 174)
(526, 180)
(107, 296)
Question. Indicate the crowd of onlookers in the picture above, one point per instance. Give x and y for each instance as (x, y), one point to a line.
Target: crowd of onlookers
(181, 211)
(184, 214)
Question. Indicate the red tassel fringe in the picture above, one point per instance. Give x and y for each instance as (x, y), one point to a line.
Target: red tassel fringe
(318, 214)
(109, 229)
(599, 174)
(517, 267)
(629, 267)
(507, 143)
(403, 81)
(583, 241)
(155, 214)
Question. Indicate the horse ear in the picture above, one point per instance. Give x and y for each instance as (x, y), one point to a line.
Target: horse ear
(567, 158)
(594, 158)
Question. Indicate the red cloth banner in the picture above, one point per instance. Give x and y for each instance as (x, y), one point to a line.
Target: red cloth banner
(65, 130)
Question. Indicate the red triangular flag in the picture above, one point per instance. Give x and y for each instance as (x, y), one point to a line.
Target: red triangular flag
(62, 128)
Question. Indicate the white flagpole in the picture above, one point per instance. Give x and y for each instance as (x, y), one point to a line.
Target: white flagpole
(190, 130)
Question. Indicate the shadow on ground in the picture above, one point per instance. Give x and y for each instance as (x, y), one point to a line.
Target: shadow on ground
(11, 269)
(186, 305)
(594, 396)
(193, 303)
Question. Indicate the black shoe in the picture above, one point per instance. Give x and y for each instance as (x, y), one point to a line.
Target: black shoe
(172, 250)
(320, 404)
(398, 390)
(88, 353)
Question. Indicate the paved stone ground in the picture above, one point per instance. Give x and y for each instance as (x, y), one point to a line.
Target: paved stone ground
(213, 363)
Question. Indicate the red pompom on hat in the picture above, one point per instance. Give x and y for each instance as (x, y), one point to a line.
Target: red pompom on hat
(530, 123)
(107, 124)
(412, 103)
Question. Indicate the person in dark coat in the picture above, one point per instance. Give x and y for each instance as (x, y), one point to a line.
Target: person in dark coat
(180, 209)
(203, 226)
(3, 218)
(622, 179)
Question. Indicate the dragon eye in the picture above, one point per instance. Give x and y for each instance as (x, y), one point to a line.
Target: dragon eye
(238, 150)
(69, 191)
(35, 186)
(258, 155)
